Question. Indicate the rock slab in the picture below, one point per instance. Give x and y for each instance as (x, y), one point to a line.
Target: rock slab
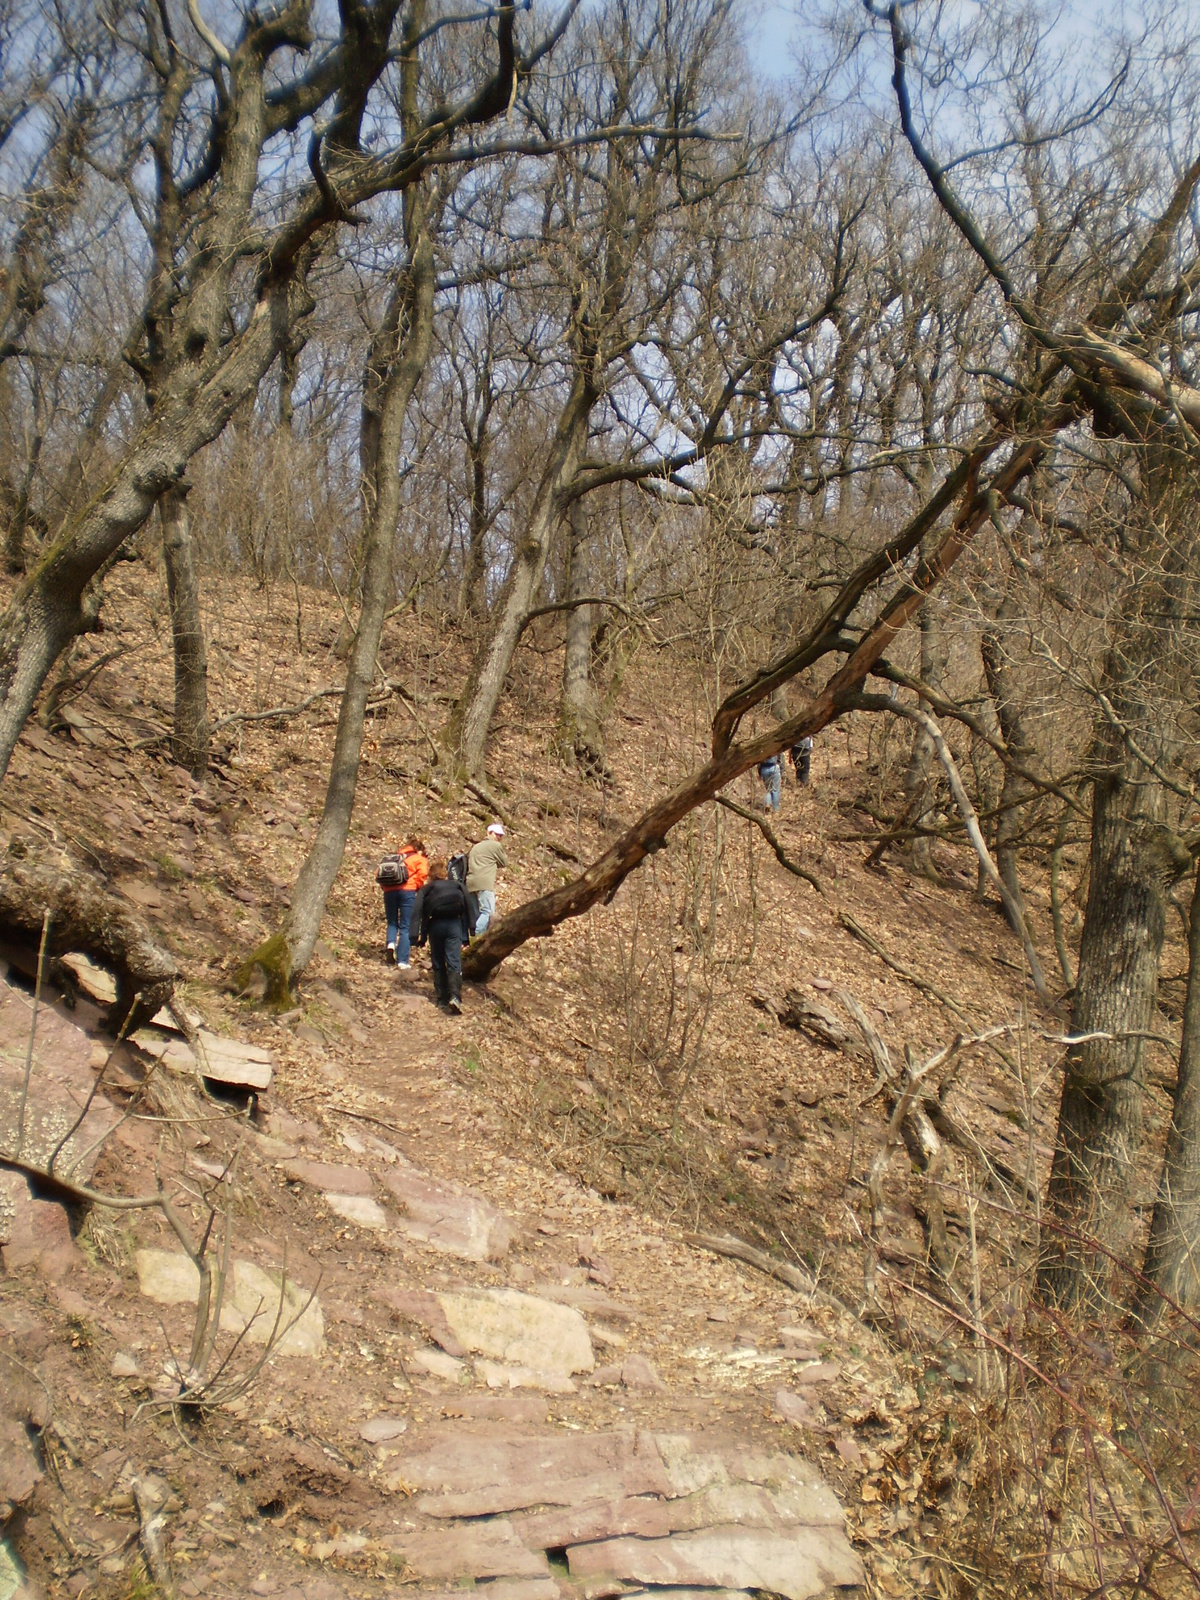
(253, 1304)
(328, 1176)
(519, 1329)
(60, 1081)
(797, 1565)
(447, 1216)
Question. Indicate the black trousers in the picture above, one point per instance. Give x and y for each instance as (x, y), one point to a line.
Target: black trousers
(445, 953)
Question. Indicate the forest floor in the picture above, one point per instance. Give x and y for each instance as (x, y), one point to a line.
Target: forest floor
(518, 1373)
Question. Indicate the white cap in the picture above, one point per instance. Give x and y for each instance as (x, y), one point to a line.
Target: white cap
(497, 828)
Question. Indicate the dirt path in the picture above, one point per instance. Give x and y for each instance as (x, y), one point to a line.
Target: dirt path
(513, 1382)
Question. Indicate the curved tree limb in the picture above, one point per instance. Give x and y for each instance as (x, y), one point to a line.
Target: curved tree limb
(216, 45)
(772, 839)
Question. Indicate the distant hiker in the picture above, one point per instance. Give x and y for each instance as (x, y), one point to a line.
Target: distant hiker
(482, 862)
(401, 876)
(446, 927)
(802, 759)
(771, 772)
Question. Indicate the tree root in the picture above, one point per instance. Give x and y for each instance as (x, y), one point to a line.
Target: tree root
(726, 1244)
(273, 959)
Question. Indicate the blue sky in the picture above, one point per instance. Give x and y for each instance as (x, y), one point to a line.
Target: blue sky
(771, 37)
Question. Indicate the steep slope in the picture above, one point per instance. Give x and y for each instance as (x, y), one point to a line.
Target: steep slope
(614, 1089)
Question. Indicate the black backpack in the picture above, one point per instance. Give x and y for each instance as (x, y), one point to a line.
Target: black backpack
(393, 873)
(456, 869)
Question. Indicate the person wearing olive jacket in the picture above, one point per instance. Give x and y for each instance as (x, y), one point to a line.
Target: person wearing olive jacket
(482, 863)
(446, 925)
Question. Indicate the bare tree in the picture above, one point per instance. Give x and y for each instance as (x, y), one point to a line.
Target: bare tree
(217, 316)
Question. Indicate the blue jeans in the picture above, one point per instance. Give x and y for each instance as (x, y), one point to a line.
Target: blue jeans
(487, 909)
(445, 954)
(771, 784)
(398, 909)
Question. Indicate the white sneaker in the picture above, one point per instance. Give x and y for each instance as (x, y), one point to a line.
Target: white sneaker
(404, 966)
(455, 1003)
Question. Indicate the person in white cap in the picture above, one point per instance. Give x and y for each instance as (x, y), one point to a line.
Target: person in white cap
(482, 864)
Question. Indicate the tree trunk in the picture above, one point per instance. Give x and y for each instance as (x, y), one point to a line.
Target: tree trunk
(579, 721)
(395, 366)
(190, 732)
(470, 592)
(919, 780)
(1014, 789)
(58, 599)
(1172, 1263)
(1116, 992)
(465, 736)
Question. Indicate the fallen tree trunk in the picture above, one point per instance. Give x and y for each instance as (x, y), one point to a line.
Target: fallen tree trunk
(85, 917)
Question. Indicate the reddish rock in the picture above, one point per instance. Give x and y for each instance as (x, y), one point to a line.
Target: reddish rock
(470, 1473)
(34, 1233)
(648, 1518)
(328, 1177)
(489, 1550)
(798, 1564)
(448, 1217)
(23, 1411)
(818, 1372)
(794, 1408)
(60, 1082)
(423, 1308)
(29, 1335)
(637, 1373)
(585, 1298)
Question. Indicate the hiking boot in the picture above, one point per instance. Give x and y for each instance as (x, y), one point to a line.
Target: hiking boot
(455, 1004)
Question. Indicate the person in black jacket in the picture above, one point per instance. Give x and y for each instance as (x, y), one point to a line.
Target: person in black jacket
(445, 923)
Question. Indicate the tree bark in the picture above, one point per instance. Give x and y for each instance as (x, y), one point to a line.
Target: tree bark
(470, 591)
(85, 917)
(190, 732)
(1014, 789)
(396, 363)
(465, 736)
(1116, 992)
(919, 781)
(579, 720)
(1172, 1263)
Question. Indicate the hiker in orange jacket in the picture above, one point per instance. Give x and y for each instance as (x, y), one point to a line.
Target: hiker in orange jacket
(398, 903)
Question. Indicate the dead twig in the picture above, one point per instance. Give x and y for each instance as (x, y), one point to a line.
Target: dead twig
(898, 967)
(151, 1495)
(768, 833)
(1013, 908)
(726, 1244)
